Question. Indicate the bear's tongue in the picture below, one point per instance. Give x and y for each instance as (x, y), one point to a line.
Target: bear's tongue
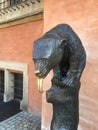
(40, 85)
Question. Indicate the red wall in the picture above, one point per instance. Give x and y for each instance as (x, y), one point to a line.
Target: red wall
(83, 17)
(16, 45)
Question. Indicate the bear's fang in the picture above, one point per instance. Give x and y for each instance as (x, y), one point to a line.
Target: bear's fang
(40, 85)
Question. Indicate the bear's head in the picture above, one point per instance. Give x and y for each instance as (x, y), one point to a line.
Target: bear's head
(47, 54)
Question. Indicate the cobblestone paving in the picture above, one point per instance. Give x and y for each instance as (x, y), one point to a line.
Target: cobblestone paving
(22, 121)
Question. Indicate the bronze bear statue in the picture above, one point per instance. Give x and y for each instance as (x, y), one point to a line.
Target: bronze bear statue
(61, 50)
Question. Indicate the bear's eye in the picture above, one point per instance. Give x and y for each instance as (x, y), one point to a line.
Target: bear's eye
(41, 60)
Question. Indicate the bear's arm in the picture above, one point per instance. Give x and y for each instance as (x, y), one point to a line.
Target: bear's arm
(77, 64)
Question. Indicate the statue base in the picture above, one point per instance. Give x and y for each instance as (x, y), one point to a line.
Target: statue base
(65, 107)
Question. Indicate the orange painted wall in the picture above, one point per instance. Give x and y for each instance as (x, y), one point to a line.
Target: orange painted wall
(83, 17)
(16, 45)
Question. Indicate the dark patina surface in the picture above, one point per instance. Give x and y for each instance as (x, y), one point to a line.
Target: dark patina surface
(61, 49)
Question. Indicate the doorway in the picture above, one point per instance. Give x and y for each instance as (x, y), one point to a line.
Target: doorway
(14, 71)
(1, 85)
(18, 86)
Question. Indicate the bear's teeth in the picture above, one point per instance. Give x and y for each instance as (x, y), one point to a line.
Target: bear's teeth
(40, 85)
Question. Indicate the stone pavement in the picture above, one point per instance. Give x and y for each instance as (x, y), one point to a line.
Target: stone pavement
(21, 121)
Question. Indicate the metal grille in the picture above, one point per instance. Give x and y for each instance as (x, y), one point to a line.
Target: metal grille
(9, 5)
(18, 86)
(1, 81)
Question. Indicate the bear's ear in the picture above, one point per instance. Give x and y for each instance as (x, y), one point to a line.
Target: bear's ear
(63, 42)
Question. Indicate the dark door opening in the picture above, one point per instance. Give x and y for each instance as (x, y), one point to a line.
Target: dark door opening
(18, 86)
(8, 109)
(1, 85)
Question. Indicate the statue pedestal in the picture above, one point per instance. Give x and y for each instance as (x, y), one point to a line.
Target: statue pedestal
(65, 107)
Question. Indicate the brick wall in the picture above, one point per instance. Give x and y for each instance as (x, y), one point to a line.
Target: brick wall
(16, 45)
